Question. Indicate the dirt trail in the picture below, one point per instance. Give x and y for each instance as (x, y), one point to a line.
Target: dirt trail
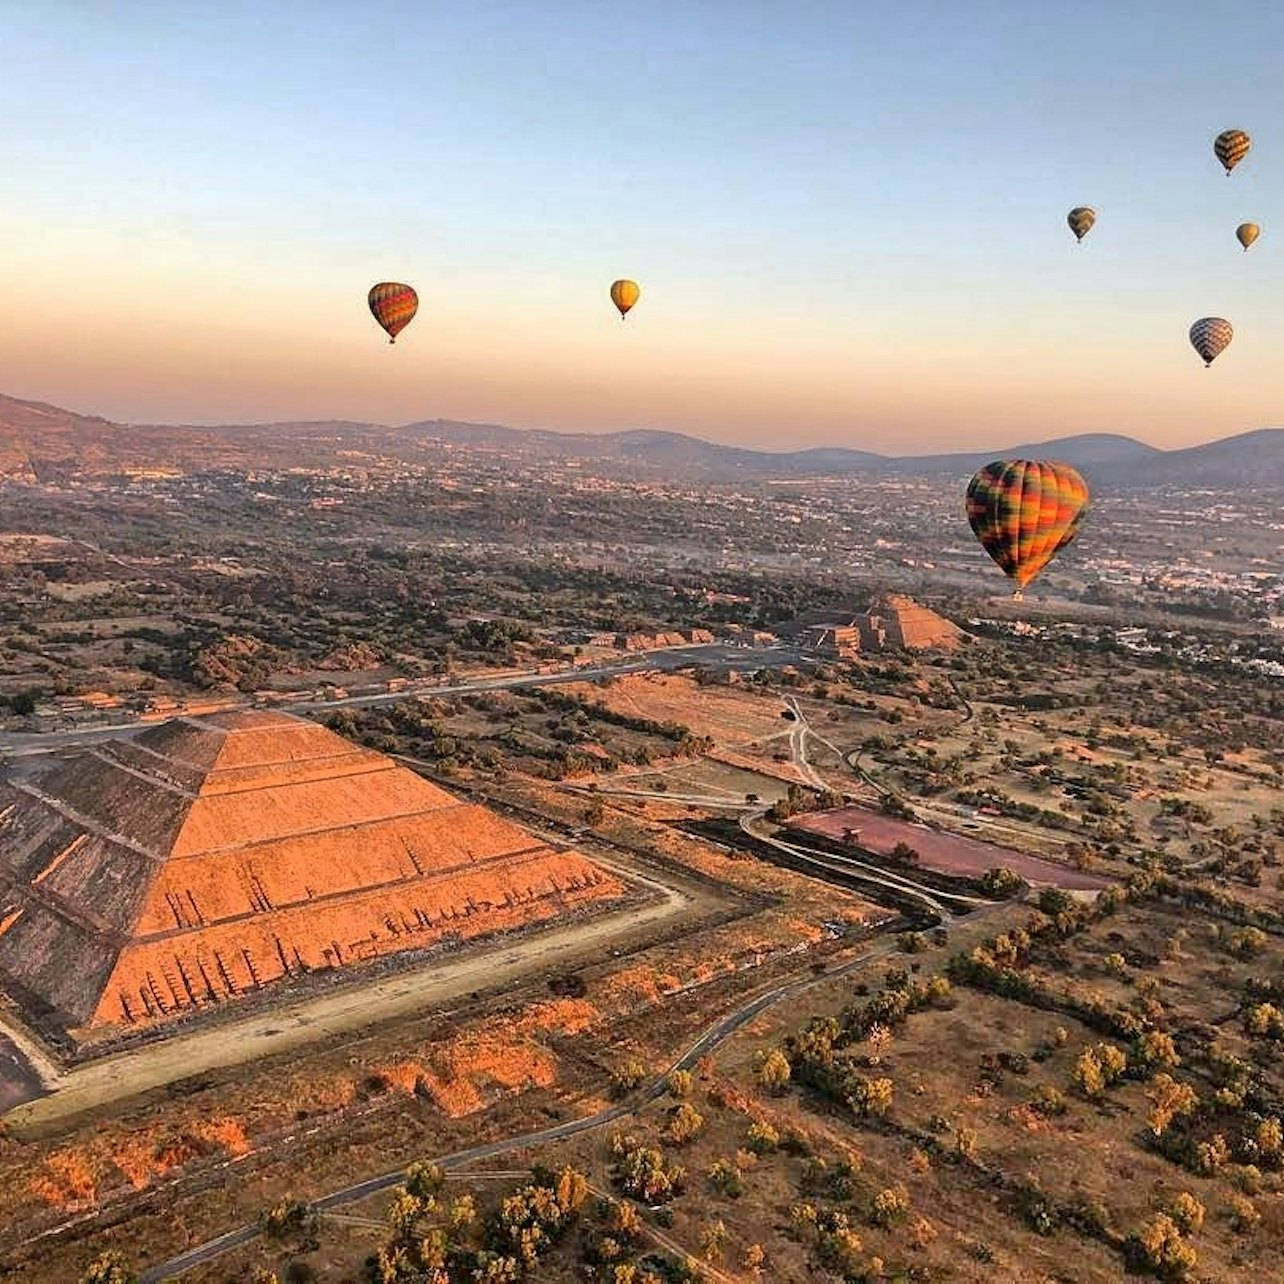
(283, 1029)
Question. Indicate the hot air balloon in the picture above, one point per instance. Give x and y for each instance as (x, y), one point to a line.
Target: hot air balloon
(1081, 219)
(1024, 512)
(1209, 336)
(1247, 234)
(624, 294)
(1230, 147)
(394, 306)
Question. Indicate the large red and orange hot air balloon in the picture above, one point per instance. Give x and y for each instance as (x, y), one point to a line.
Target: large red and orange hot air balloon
(394, 306)
(1024, 512)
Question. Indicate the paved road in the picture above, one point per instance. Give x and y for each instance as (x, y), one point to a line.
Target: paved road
(717, 656)
(716, 1034)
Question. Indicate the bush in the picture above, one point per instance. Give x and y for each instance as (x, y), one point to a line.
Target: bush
(762, 1139)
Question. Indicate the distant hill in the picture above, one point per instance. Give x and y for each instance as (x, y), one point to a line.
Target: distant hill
(39, 442)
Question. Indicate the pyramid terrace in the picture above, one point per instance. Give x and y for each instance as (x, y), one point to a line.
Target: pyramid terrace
(209, 859)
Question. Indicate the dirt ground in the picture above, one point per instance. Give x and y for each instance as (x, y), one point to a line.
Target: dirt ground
(729, 715)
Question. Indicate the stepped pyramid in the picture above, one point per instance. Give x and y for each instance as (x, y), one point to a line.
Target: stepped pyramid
(207, 858)
(896, 620)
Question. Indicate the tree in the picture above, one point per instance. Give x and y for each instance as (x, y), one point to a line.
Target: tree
(680, 1083)
(754, 1260)
(423, 1181)
(1244, 1214)
(463, 1212)
(869, 1097)
(713, 1241)
(1000, 883)
(890, 1205)
(1154, 1050)
(1169, 1100)
(1187, 1212)
(110, 1268)
(685, 1124)
(762, 1138)
(725, 1177)
(773, 1071)
(879, 1039)
(629, 1076)
(1087, 1075)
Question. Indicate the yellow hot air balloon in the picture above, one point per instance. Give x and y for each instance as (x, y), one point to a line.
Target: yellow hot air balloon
(1247, 234)
(624, 294)
(1081, 219)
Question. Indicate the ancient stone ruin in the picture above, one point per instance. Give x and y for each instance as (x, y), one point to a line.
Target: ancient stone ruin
(209, 858)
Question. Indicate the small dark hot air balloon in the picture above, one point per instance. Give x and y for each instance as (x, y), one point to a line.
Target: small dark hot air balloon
(1081, 219)
(394, 306)
(624, 294)
(1209, 337)
(1230, 147)
(1247, 233)
(1024, 512)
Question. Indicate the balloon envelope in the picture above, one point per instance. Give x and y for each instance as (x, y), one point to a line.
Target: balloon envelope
(1247, 233)
(1081, 219)
(624, 294)
(394, 306)
(1024, 512)
(1209, 336)
(1231, 146)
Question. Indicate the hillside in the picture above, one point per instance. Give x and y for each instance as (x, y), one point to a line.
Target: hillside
(42, 443)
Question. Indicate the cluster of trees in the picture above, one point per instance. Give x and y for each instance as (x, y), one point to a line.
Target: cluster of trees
(434, 1240)
(825, 1057)
(643, 1172)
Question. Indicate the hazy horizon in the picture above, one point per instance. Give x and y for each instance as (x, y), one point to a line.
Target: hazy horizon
(848, 223)
(958, 447)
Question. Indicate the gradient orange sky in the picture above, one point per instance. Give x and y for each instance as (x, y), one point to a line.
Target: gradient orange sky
(846, 231)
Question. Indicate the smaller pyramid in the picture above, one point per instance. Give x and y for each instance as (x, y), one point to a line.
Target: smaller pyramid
(209, 858)
(898, 621)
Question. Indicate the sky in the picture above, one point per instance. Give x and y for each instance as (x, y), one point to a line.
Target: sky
(847, 218)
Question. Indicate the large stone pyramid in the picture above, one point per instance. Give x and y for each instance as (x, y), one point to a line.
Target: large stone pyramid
(209, 857)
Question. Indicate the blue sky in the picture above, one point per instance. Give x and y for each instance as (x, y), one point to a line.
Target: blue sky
(847, 219)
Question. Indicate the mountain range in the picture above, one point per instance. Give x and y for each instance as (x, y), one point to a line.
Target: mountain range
(39, 442)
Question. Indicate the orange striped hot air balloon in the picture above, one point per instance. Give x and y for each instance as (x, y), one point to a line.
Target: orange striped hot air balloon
(1230, 147)
(394, 306)
(1024, 512)
(624, 294)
